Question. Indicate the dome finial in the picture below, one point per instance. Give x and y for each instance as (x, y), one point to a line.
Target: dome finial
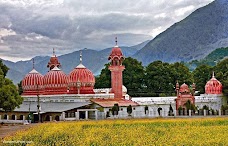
(116, 41)
(80, 56)
(213, 74)
(33, 62)
(54, 52)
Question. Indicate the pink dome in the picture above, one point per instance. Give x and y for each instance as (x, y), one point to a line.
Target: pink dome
(81, 80)
(213, 86)
(116, 52)
(55, 82)
(32, 84)
(184, 88)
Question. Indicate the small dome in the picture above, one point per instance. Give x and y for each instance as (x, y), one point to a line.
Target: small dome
(82, 78)
(55, 82)
(124, 89)
(213, 86)
(116, 52)
(184, 88)
(32, 83)
(53, 62)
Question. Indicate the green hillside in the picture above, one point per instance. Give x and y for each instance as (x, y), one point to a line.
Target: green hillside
(211, 59)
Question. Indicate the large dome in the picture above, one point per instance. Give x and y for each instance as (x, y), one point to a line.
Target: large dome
(55, 82)
(32, 84)
(81, 80)
(213, 86)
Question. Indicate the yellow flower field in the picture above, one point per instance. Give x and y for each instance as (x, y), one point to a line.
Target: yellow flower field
(200, 131)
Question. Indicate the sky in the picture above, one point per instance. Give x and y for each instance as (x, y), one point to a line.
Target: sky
(30, 28)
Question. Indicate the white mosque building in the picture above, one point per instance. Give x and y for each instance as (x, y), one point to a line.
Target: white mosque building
(58, 96)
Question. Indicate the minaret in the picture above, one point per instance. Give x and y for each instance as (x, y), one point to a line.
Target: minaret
(53, 61)
(193, 89)
(116, 69)
(177, 88)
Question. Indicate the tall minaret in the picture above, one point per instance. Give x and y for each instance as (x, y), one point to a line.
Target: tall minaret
(116, 69)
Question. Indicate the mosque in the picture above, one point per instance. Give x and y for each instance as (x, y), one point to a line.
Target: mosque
(58, 96)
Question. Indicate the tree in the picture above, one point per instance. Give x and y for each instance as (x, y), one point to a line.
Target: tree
(20, 90)
(129, 110)
(104, 79)
(201, 75)
(3, 69)
(189, 106)
(181, 73)
(158, 78)
(221, 70)
(9, 97)
(133, 76)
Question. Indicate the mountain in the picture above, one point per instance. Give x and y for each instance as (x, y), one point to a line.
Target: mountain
(192, 38)
(92, 59)
(211, 59)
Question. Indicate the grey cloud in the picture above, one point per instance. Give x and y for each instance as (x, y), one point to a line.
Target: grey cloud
(76, 24)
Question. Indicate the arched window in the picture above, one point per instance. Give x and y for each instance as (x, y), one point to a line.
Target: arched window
(21, 117)
(57, 118)
(5, 117)
(13, 117)
(47, 118)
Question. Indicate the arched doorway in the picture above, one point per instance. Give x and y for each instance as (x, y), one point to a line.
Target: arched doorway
(13, 117)
(5, 117)
(159, 111)
(21, 117)
(81, 114)
(47, 118)
(57, 118)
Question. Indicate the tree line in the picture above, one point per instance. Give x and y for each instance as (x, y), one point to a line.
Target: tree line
(159, 78)
(9, 96)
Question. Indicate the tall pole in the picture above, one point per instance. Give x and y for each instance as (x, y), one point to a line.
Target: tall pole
(29, 111)
(38, 105)
(78, 85)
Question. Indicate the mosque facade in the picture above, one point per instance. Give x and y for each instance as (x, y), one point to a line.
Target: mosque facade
(58, 96)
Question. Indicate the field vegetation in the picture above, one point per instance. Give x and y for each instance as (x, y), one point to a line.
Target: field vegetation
(199, 131)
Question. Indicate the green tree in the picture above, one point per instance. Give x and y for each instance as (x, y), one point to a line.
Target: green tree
(189, 105)
(3, 68)
(133, 76)
(104, 79)
(201, 75)
(221, 70)
(20, 90)
(158, 78)
(9, 97)
(181, 73)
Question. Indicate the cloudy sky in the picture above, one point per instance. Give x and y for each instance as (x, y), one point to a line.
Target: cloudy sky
(31, 28)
